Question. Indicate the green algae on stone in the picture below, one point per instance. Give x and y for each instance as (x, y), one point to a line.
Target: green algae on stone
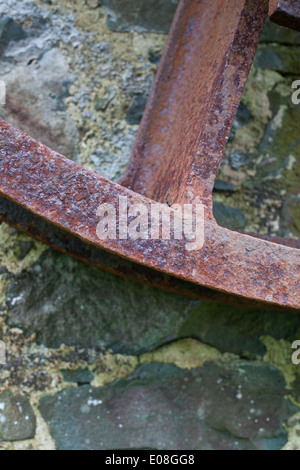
(279, 355)
(12, 255)
(186, 354)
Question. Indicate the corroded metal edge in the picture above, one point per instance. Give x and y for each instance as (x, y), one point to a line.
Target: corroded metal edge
(68, 196)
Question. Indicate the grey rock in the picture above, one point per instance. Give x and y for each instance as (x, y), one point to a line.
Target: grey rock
(239, 406)
(37, 76)
(275, 33)
(79, 376)
(289, 220)
(153, 57)
(102, 104)
(224, 187)
(239, 160)
(277, 163)
(65, 301)
(112, 163)
(17, 419)
(283, 59)
(136, 110)
(238, 329)
(44, 30)
(24, 248)
(35, 102)
(10, 30)
(140, 15)
(242, 118)
(229, 217)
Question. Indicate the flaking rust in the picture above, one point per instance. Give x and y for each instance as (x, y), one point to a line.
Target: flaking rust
(177, 154)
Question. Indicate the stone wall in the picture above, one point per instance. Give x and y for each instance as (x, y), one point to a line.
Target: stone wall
(95, 361)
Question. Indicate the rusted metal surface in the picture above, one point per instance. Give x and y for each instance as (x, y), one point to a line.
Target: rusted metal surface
(65, 242)
(285, 13)
(196, 94)
(177, 154)
(292, 242)
(68, 196)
